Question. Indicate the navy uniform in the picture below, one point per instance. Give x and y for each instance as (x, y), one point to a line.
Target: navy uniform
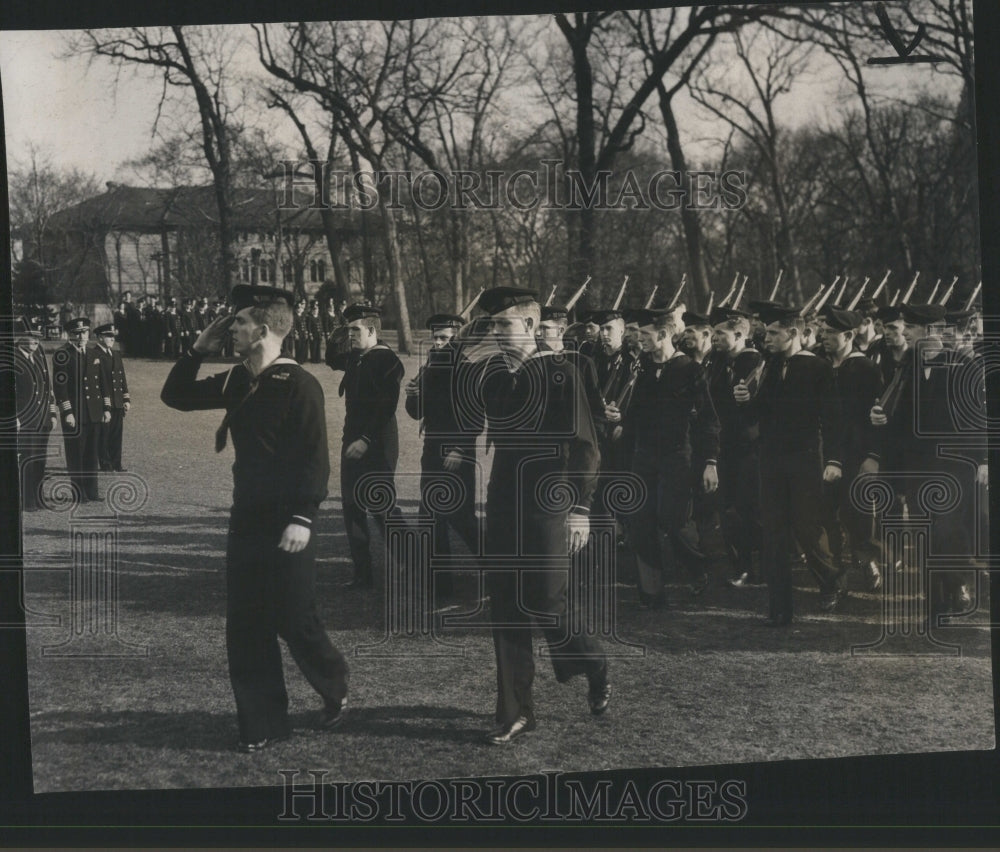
(171, 329)
(739, 454)
(543, 437)
(278, 427)
(858, 384)
(79, 391)
(36, 410)
(370, 388)
(450, 422)
(133, 327)
(186, 324)
(314, 332)
(301, 332)
(919, 422)
(116, 387)
(672, 429)
(796, 409)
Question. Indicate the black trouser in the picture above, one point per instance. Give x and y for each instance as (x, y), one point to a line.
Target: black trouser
(110, 443)
(449, 497)
(314, 350)
(843, 516)
(523, 591)
(82, 459)
(33, 446)
(791, 501)
(739, 500)
(271, 593)
(366, 483)
(659, 529)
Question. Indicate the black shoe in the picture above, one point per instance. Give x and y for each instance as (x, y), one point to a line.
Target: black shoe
(332, 715)
(259, 745)
(648, 601)
(782, 619)
(508, 733)
(360, 582)
(745, 581)
(599, 697)
(121, 470)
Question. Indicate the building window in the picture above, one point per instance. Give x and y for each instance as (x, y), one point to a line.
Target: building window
(246, 270)
(263, 269)
(272, 269)
(321, 269)
(312, 270)
(286, 272)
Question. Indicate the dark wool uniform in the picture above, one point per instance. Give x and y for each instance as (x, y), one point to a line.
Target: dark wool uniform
(672, 429)
(858, 383)
(171, 325)
(738, 495)
(617, 373)
(133, 326)
(370, 388)
(186, 325)
(116, 386)
(798, 414)
(314, 334)
(543, 437)
(278, 426)
(920, 424)
(79, 390)
(36, 406)
(301, 332)
(451, 421)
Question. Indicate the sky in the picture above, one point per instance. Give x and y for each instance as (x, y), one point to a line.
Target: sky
(89, 116)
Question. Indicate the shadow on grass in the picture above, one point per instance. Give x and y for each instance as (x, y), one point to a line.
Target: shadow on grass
(203, 730)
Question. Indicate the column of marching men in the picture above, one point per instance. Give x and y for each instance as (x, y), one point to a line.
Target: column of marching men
(747, 431)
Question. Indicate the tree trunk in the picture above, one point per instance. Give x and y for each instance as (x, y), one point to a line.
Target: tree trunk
(689, 216)
(393, 257)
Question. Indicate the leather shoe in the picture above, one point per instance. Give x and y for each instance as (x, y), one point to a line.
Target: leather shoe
(508, 733)
(599, 697)
(745, 581)
(699, 585)
(332, 715)
(781, 619)
(259, 745)
(360, 582)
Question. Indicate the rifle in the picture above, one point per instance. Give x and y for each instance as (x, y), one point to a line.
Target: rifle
(857, 296)
(895, 299)
(930, 298)
(774, 289)
(910, 289)
(711, 301)
(577, 295)
(649, 301)
(552, 295)
(882, 284)
(806, 307)
(680, 289)
(467, 310)
(949, 291)
(732, 290)
(739, 295)
(621, 294)
(972, 298)
(840, 295)
(818, 306)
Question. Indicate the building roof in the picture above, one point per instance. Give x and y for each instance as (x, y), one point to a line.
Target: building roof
(153, 209)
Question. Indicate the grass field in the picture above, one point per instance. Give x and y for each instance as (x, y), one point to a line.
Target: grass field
(708, 683)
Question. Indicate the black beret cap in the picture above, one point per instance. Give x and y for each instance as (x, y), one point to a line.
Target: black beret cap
(757, 305)
(725, 314)
(445, 321)
(602, 317)
(866, 307)
(691, 318)
(246, 296)
(78, 324)
(772, 312)
(553, 313)
(959, 316)
(102, 330)
(647, 316)
(842, 320)
(889, 313)
(498, 299)
(356, 312)
(922, 314)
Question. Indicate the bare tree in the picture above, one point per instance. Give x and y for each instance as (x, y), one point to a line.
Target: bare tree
(190, 58)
